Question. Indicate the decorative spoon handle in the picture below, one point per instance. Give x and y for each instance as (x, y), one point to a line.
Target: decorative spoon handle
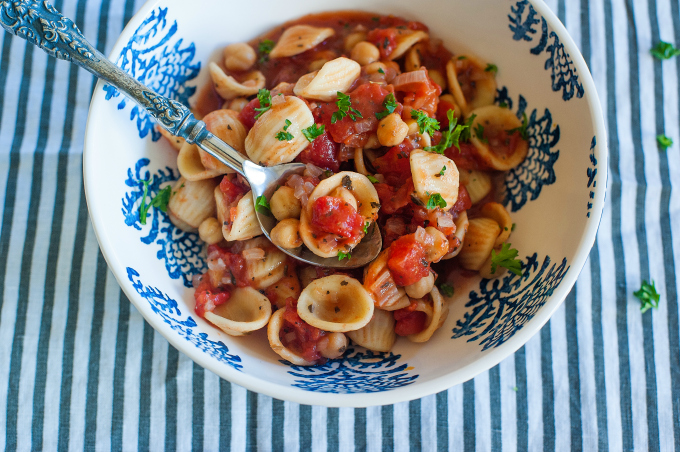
(41, 24)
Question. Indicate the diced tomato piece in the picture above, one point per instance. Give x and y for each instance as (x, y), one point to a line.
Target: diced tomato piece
(232, 189)
(463, 202)
(442, 109)
(207, 297)
(466, 157)
(390, 200)
(335, 216)
(422, 95)
(395, 165)
(306, 336)
(235, 264)
(323, 152)
(247, 115)
(407, 261)
(385, 39)
(409, 321)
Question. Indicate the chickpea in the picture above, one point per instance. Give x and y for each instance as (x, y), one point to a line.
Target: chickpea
(376, 67)
(284, 204)
(392, 130)
(412, 126)
(437, 77)
(353, 39)
(317, 64)
(365, 53)
(210, 231)
(286, 234)
(421, 287)
(239, 57)
(238, 104)
(372, 142)
(333, 345)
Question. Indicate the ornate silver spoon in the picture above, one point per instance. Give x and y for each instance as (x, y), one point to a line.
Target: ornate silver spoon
(41, 24)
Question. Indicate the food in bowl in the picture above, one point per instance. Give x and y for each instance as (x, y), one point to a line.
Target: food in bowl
(395, 130)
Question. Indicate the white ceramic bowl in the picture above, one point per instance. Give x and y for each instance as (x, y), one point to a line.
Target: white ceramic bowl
(555, 197)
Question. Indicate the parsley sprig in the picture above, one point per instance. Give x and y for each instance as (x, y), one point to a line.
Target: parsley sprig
(425, 123)
(446, 289)
(373, 180)
(262, 205)
(265, 98)
(479, 131)
(441, 172)
(313, 131)
(284, 135)
(344, 104)
(507, 258)
(664, 51)
(491, 68)
(264, 48)
(648, 296)
(435, 201)
(160, 201)
(342, 255)
(390, 104)
(452, 136)
(664, 141)
(522, 129)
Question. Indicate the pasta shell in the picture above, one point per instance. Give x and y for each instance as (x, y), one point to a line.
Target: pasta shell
(298, 39)
(191, 203)
(379, 283)
(336, 75)
(437, 310)
(378, 335)
(426, 168)
(175, 141)
(456, 243)
(495, 119)
(479, 241)
(284, 288)
(196, 164)
(497, 212)
(405, 39)
(273, 334)
(361, 189)
(261, 144)
(412, 59)
(436, 248)
(247, 310)
(229, 88)
(421, 288)
(359, 164)
(477, 183)
(284, 204)
(469, 82)
(243, 224)
(335, 303)
(270, 270)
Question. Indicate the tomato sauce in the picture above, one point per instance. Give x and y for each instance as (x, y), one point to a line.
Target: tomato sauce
(299, 336)
(409, 321)
(407, 261)
(335, 216)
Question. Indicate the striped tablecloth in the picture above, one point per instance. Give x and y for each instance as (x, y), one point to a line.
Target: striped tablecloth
(80, 369)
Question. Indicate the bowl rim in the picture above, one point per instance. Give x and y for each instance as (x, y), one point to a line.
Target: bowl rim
(406, 393)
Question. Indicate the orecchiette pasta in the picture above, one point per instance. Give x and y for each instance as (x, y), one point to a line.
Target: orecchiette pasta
(342, 92)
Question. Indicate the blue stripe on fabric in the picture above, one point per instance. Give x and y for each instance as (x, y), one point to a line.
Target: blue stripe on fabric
(522, 401)
(598, 350)
(571, 326)
(251, 421)
(197, 406)
(170, 399)
(146, 371)
(669, 262)
(495, 403)
(414, 415)
(278, 419)
(333, 430)
(225, 415)
(360, 429)
(641, 233)
(469, 440)
(387, 417)
(548, 389)
(119, 372)
(442, 399)
(305, 428)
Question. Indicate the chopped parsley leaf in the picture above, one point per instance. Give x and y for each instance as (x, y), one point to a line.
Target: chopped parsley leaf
(344, 104)
(425, 123)
(284, 135)
(664, 141)
(648, 296)
(265, 98)
(503, 104)
(491, 68)
(160, 201)
(264, 48)
(366, 227)
(462, 57)
(506, 257)
(441, 172)
(381, 70)
(390, 104)
(479, 131)
(435, 201)
(262, 205)
(513, 226)
(446, 289)
(342, 255)
(664, 51)
(450, 137)
(313, 131)
(521, 129)
(373, 180)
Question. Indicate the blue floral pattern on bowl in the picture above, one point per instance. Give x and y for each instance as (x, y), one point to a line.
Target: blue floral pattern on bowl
(356, 372)
(155, 56)
(168, 309)
(525, 182)
(592, 174)
(182, 252)
(559, 63)
(503, 306)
